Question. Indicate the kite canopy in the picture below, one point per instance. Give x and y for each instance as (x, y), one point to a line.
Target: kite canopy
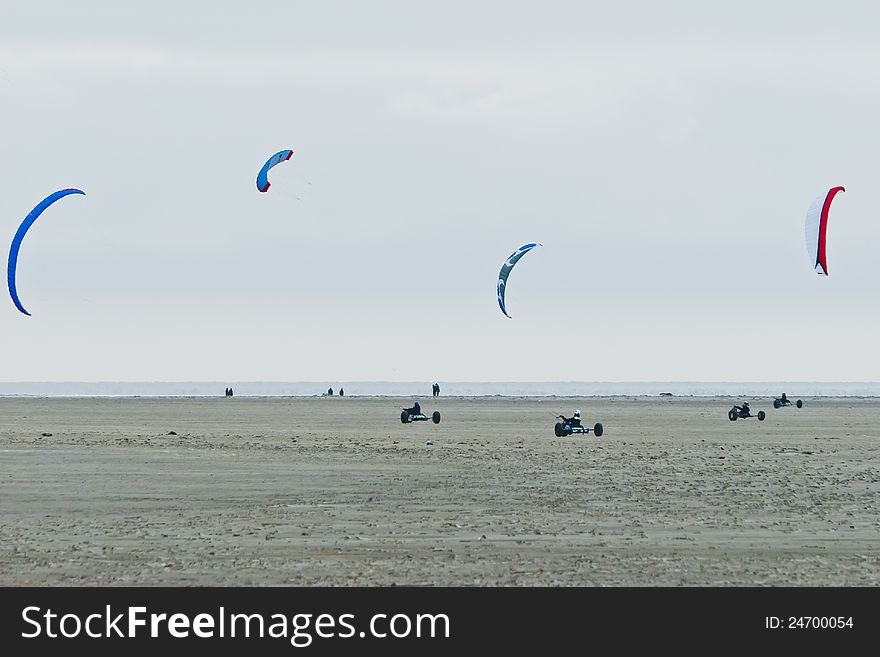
(505, 272)
(19, 236)
(278, 158)
(815, 229)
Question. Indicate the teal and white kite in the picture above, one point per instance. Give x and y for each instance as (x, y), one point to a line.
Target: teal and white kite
(505, 272)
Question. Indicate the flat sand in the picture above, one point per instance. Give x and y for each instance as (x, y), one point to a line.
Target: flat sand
(336, 491)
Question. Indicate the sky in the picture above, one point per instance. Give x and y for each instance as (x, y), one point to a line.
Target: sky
(664, 154)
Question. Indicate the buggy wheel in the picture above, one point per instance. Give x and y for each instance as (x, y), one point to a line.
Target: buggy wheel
(761, 416)
(404, 417)
(559, 430)
(731, 415)
(800, 403)
(597, 429)
(776, 403)
(435, 416)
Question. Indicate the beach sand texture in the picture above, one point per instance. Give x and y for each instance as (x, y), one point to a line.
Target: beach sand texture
(336, 491)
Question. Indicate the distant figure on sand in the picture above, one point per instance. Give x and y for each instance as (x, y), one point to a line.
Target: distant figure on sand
(329, 392)
(230, 392)
(435, 390)
(226, 392)
(341, 392)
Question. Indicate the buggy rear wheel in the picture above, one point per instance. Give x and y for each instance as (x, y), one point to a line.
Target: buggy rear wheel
(559, 430)
(731, 415)
(404, 417)
(761, 416)
(776, 403)
(800, 403)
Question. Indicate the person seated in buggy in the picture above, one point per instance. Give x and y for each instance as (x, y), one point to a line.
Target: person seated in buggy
(745, 408)
(783, 399)
(574, 420)
(414, 410)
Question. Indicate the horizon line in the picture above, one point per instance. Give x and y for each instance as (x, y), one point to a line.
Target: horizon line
(466, 381)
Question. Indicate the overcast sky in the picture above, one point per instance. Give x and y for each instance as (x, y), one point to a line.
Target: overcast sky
(665, 154)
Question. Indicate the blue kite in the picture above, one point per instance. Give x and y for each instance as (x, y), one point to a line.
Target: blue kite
(19, 236)
(278, 158)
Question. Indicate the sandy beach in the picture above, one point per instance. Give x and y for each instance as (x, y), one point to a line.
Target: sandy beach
(336, 491)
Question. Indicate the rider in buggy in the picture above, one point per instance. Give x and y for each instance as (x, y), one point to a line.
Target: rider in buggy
(575, 420)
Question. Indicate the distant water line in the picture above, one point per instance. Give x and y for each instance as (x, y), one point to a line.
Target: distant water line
(449, 389)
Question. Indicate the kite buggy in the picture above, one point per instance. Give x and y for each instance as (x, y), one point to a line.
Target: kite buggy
(569, 425)
(742, 412)
(414, 414)
(779, 402)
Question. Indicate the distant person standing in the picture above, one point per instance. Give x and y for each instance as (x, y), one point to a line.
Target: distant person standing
(226, 392)
(329, 392)
(341, 392)
(230, 392)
